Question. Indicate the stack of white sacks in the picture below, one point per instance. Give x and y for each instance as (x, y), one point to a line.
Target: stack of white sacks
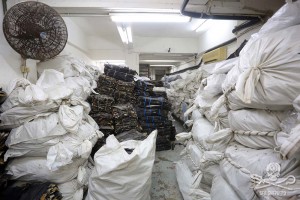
(52, 134)
(244, 143)
(181, 93)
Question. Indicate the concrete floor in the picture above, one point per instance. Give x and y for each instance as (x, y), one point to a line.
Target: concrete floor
(164, 183)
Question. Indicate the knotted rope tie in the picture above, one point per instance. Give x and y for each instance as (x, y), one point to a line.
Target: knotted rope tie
(256, 133)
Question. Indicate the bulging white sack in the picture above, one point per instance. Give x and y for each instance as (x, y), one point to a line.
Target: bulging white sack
(189, 183)
(70, 117)
(221, 190)
(41, 129)
(271, 69)
(81, 86)
(35, 169)
(71, 190)
(54, 85)
(256, 129)
(212, 86)
(225, 66)
(119, 175)
(241, 163)
(202, 129)
(17, 116)
(66, 64)
(24, 94)
(288, 15)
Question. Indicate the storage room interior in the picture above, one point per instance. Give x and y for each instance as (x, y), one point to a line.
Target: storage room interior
(150, 99)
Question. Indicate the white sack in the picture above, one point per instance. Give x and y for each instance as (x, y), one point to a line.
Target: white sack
(225, 66)
(231, 78)
(288, 15)
(65, 64)
(271, 69)
(81, 86)
(54, 85)
(71, 190)
(119, 175)
(221, 190)
(24, 95)
(241, 162)
(202, 129)
(213, 86)
(296, 103)
(73, 146)
(42, 129)
(70, 117)
(19, 82)
(35, 169)
(17, 116)
(189, 184)
(256, 129)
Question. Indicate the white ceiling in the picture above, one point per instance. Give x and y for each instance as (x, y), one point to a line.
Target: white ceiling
(103, 26)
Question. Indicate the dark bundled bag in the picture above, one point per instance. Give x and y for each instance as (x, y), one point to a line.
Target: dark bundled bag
(3, 96)
(151, 112)
(163, 143)
(106, 91)
(119, 68)
(121, 126)
(125, 86)
(100, 103)
(144, 86)
(156, 125)
(103, 120)
(125, 118)
(107, 130)
(106, 81)
(34, 191)
(3, 148)
(120, 75)
(154, 103)
(157, 83)
(122, 111)
(153, 119)
(131, 135)
(159, 94)
(124, 97)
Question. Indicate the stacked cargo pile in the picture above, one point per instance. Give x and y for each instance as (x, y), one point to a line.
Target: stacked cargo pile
(124, 114)
(51, 135)
(251, 153)
(181, 92)
(101, 107)
(124, 92)
(125, 118)
(153, 113)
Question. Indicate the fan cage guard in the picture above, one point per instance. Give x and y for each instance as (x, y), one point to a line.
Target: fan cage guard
(35, 30)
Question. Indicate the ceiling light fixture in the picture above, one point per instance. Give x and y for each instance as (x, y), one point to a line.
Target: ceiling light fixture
(206, 25)
(129, 34)
(148, 17)
(126, 34)
(162, 65)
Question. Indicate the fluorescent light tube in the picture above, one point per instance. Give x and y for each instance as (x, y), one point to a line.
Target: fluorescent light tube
(123, 34)
(162, 65)
(149, 17)
(129, 34)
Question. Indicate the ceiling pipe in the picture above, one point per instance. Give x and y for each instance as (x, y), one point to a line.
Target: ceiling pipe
(206, 16)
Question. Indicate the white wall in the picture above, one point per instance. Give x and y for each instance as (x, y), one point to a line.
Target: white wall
(220, 32)
(77, 44)
(10, 61)
(161, 45)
